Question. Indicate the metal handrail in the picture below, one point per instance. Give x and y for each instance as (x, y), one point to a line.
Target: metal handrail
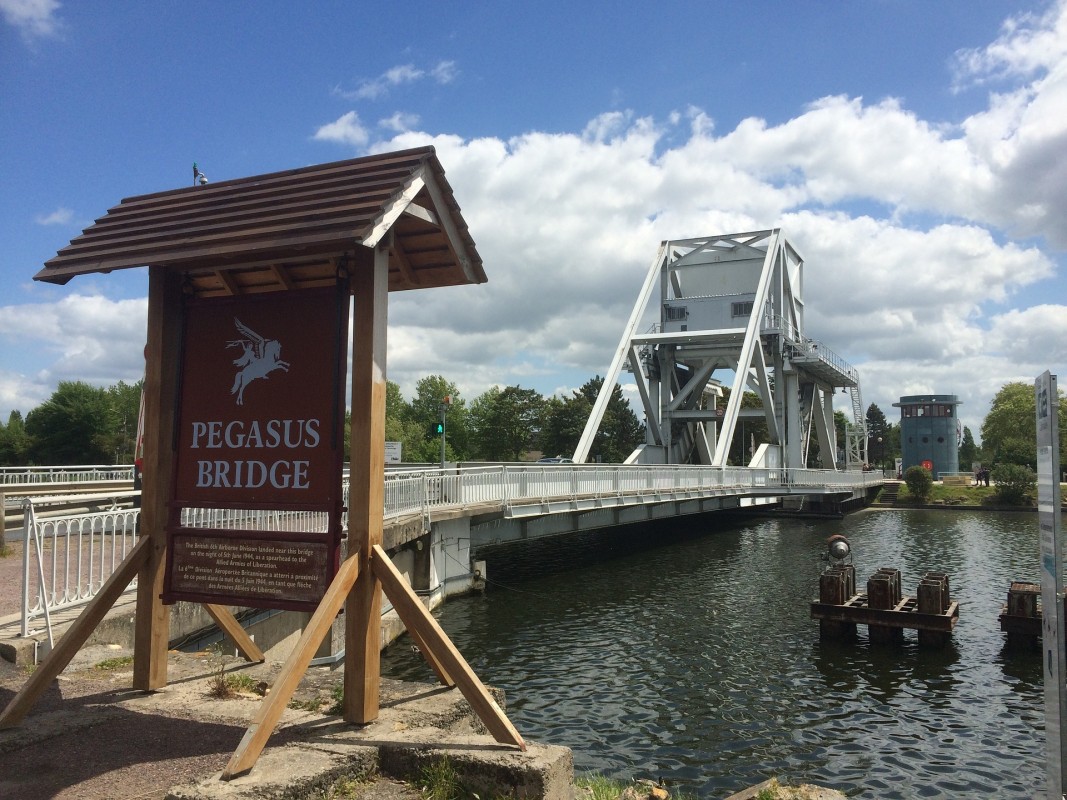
(19, 476)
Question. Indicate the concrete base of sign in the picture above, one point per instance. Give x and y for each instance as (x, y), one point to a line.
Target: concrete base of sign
(312, 749)
(311, 769)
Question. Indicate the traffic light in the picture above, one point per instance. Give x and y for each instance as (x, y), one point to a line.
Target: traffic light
(437, 428)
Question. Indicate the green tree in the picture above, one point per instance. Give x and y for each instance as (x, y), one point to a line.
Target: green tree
(76, 425)
(968, 450)
(425, 409)
(14, 444)
(506, 423)
(125, 402)
(620, 430)
(919, 481)
(878, 436)
(396, 407)
(1009, 431)
(564, 420)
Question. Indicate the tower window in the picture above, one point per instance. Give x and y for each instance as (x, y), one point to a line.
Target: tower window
(676, 313)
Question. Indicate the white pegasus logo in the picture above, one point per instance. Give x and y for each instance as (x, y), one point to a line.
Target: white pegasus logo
(260, 357)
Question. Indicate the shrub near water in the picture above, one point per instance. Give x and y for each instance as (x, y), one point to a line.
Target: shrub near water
(919, 481)
(1014, 484)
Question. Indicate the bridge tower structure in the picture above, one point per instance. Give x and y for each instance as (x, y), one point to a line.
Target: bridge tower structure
(731, 314)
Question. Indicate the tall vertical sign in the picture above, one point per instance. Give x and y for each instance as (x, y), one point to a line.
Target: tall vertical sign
(1052, 626)
(260, 439)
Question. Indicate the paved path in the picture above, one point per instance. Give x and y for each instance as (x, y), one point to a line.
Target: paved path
(11, 580)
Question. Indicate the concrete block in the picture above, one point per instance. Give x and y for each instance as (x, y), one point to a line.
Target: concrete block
(293, 772)
(488, 769)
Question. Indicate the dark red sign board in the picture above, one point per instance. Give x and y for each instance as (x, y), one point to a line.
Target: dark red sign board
(260, 427)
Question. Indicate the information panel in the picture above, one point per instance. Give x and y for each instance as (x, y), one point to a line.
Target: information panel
(1052, 627)
(223, 567)
(260, 428)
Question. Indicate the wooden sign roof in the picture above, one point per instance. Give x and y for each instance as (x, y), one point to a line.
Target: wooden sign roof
(288, 229)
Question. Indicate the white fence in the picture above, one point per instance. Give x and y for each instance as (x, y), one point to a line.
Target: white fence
(66, 559)
(18, 476)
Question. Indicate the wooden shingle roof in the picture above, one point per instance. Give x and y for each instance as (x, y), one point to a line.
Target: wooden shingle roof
(288, 229)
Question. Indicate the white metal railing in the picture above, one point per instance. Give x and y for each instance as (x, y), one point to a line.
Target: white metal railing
(810, 347)
(17, 476)
(67, 558)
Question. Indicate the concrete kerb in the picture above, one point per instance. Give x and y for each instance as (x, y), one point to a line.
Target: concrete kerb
(302, 770)
(418, 726)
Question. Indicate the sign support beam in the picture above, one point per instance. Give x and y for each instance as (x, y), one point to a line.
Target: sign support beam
(255, 738)
(68, 646)
(229, 625)
(362, 678)
(162, 352)
(441, 653)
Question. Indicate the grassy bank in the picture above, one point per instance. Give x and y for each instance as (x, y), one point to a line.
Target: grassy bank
(960, 496)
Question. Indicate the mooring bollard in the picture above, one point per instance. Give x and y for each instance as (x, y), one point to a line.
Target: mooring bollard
(836, 586)
(932, 598)
(1021, 617)
(883, 594)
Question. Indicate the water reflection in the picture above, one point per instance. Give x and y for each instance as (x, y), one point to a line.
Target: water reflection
(688, 653)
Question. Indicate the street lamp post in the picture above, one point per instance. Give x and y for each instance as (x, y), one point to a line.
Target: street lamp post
(881, 455)
(445, 403)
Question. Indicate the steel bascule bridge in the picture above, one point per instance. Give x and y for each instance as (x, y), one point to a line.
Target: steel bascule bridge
(731, 316)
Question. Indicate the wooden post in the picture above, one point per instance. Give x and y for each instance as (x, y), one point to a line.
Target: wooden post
(152, 627)
(363, 611)
(1021, 618)
(932, 598)
(943, 579)
(75, 636)
(416, 618)
(229, 625)
(274, 704)
(836, 586)
(883, 592)
(1022, 599)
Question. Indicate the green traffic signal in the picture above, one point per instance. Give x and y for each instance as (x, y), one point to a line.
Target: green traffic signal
(437, 429)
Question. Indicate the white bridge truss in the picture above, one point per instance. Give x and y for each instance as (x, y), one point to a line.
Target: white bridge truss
(732, 305)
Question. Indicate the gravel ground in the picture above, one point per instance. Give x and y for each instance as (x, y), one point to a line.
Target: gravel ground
(91, 737)
(11, 580)
(78, 743)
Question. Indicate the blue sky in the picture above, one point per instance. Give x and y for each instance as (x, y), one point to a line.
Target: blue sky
(913, 152)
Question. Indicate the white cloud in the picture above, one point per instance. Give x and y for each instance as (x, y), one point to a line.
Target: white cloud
(919, 299)
(399, 122)
(1023, 133)
(35, 19)
(61, 216)
(89, 337)
(1028, 43)
(443, 72)
(21, 393)
(346, 130)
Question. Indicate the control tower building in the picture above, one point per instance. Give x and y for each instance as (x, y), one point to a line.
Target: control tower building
(930, 433)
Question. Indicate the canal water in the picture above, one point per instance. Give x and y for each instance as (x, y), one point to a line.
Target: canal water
(685, 652)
